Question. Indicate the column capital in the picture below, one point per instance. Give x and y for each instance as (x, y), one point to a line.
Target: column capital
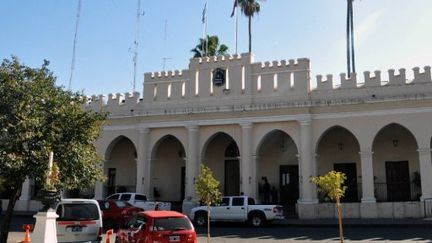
(306, 121)
(246, 125)
(366, 153)
(143, 130)
(192, 127)
(424, 151)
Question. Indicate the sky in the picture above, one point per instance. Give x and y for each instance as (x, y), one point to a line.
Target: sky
(389, 34)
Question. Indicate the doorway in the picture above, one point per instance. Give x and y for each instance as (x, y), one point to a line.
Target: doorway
(111, 181)
(232, 175)
(350, 171)
(288, 184)
(398, 181)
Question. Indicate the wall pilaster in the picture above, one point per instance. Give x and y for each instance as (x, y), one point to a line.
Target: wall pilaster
(246, 159)
(142, 180)
(192, 161)
(425, 172)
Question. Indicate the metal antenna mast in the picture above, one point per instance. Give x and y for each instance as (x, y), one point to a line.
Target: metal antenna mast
(164, 59)
(135, 51)
(74, 45)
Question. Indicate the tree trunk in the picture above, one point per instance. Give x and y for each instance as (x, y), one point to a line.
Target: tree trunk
(208, 224)
(250, 34)
(8, 215)
(338, 206)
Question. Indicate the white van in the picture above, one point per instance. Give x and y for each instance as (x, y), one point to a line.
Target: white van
(80, 220)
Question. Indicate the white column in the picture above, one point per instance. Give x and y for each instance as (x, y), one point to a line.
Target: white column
(254, 181)
(99, 185)
(148, 179)
(25, 190)
(142, 152)
(306, 164)
(425, 172)
(246, 158)
(192, 161)
(368, 195)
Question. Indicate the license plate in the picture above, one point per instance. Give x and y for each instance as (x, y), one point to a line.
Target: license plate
(174, 238)
(76, 229)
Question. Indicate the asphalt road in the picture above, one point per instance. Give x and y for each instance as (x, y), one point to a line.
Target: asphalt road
(233, 233)
(239, 233)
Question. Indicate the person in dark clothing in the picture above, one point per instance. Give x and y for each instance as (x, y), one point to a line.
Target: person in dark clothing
(266, 190)
(274, 195)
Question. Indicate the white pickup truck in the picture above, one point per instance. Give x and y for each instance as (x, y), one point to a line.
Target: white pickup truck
(237, 209)
(140, 201)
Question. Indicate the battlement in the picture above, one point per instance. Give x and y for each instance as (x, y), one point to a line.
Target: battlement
(250, 83)
(375, 80)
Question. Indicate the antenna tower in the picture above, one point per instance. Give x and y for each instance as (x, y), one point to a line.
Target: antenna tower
(74, 44)
(164, 59)
(136, 44)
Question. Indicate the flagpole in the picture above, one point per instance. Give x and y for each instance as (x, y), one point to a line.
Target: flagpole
(236, 28)
(206, 22)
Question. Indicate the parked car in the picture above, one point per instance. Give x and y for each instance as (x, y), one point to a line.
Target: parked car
(116, 213)
(80, 220)
(140, 201)
(158, 226)
(238, 209)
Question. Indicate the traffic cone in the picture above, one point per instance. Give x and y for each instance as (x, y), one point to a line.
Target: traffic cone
(108, 234)
(27, 228)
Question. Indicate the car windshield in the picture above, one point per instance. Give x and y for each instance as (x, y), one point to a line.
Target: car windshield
(77, 212)
(178, 223)
(122, 204)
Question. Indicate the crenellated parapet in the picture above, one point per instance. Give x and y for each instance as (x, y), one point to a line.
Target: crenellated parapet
(255, 85)
(373, 86)
(396, 78)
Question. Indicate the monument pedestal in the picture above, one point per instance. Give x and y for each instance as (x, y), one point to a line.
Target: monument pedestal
(45, 230)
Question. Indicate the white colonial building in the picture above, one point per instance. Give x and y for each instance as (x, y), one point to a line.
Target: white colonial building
(247, 120)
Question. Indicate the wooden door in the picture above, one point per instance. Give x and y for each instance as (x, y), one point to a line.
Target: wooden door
(288, 184)
(398, 181)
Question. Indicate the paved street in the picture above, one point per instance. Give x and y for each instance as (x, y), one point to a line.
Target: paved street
(277, 233)
(320, 234)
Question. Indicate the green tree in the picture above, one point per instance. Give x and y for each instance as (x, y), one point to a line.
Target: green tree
(214, 48)
(37, 117)
(207, 188)
(332, 184)
(249, 8)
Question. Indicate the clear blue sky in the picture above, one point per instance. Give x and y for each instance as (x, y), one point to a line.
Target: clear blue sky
(389, 34)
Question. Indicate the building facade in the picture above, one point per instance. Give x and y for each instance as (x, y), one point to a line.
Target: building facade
(248, 120)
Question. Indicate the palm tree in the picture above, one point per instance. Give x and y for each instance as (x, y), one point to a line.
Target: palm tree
(350, 38)
(249, 8)
(214, 49)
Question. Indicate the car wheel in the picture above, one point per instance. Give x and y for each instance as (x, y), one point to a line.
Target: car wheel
(257, 220)
(201, 219)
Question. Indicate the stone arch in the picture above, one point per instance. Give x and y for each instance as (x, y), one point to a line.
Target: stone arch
(221, 154)
(113, 143)
(277, 160)
(338, 149)
(168, 169)
(395, 163)
(120, 166)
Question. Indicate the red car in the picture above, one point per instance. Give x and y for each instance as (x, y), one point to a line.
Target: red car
(116, 213)
(158, 226)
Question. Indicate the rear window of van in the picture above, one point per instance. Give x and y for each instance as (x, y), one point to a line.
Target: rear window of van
(77, 212)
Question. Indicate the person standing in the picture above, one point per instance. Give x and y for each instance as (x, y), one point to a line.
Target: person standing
(266, 190)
